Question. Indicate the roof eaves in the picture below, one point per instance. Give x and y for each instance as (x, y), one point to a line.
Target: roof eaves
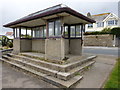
(52, 12)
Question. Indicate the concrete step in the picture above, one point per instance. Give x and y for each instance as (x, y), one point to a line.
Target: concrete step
(76, 71)
(52, 80)
(57, 67)
(61, 75)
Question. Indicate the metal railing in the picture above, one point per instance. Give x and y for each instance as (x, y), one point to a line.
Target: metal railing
(2, 52)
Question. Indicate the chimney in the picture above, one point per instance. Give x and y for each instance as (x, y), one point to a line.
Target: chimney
(89, 15)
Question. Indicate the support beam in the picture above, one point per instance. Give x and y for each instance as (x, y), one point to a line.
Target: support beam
(19, 32)
(14, 32)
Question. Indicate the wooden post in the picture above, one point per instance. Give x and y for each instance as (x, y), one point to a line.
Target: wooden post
(19, 32)
(14, 33)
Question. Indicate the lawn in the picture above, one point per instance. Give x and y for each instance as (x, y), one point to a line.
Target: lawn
(114, 78)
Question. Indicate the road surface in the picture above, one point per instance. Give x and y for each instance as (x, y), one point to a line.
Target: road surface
(102, 50)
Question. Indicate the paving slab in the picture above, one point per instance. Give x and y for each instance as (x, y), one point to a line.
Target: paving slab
(99, 72)
(14, 79)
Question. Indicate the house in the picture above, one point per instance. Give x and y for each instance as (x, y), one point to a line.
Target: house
(9, 35)
(104, 20)
(49, 44)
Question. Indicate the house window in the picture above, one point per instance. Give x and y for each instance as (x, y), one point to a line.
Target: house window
(44, 28)
(57, 28)
(90, 25)
(54, 28)
(116, 22)
(78, 30)
(39, 32)
(23, 32)
(51, 29)
(75, 31)
(72, 31)
(28, 33)
(112, 22)
(100, 24)
(66, 31)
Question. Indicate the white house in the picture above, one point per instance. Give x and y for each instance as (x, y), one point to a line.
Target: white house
(104, 20)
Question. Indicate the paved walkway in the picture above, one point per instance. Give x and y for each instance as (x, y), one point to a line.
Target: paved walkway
(93, 78)
(99, 72)
(15, 79)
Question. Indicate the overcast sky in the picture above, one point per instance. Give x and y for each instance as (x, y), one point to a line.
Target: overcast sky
(14, 9)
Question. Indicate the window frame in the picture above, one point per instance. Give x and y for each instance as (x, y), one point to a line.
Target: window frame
(90, 26)
(100, 24)
(54, 28)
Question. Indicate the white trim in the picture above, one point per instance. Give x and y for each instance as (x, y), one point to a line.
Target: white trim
(109, 16)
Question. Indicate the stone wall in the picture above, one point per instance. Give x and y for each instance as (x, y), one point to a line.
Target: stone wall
(98, 40)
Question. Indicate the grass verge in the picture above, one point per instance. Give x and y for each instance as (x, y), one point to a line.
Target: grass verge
(114, 79)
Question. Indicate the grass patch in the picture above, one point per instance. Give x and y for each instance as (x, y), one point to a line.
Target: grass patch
(114, 79)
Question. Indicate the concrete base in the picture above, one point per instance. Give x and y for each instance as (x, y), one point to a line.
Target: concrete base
(60, 75)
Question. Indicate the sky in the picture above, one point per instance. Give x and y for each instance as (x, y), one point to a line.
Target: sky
(12, 10)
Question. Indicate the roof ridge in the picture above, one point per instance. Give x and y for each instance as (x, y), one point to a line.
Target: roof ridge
(101, 14)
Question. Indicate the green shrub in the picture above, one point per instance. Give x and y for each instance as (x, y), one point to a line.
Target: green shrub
(106, 30)
(116, 31)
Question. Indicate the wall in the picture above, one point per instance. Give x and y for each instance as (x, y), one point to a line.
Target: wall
(98, 40)
(75, 46)
(66, 46)
(38, 45)
(25, 45)
(54, 49)
(16, 45)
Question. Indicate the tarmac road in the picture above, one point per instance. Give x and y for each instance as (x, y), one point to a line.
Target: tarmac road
(102, 50)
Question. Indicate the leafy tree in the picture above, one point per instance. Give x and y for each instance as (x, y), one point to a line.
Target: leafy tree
(7, 42)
